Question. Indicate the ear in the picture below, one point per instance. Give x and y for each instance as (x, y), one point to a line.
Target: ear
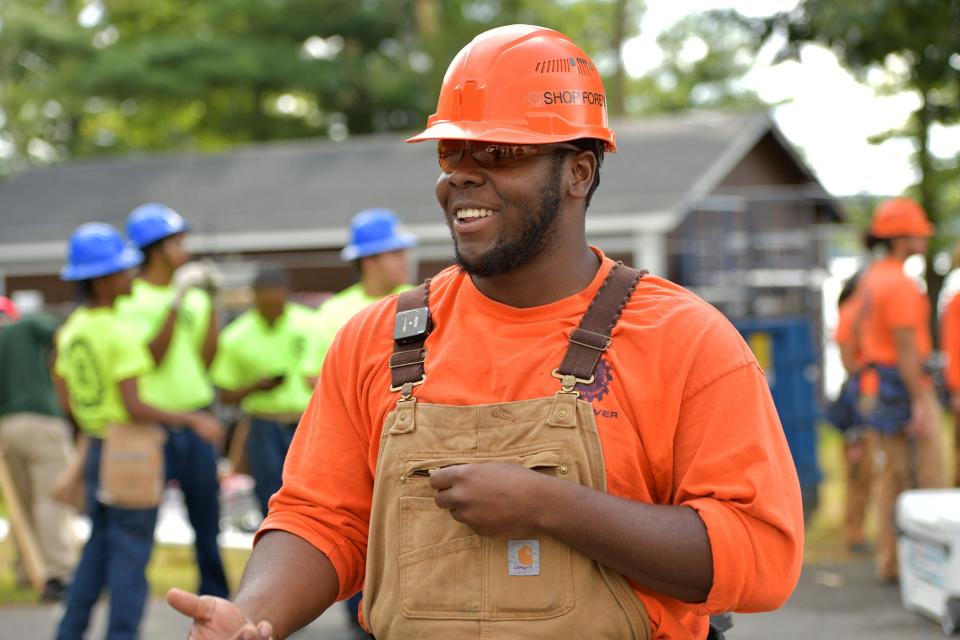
(582, 171)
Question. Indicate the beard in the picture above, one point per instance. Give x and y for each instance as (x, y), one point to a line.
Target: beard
(536, 233)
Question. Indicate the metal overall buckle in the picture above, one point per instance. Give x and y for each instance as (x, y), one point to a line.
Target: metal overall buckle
(568, 382)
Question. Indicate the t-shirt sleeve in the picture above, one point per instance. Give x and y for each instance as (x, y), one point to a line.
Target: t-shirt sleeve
(950, 340)
(60, 363)
(225, 372)
(43, 328)
(895, 306)
(845, 316)
(732, 465)
(328, 504)
(131, 357)
(199, 303)
(325, 332)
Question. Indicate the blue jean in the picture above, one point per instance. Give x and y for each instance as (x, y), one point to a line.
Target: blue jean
(192, 462)
(267, 447)
(115, 557)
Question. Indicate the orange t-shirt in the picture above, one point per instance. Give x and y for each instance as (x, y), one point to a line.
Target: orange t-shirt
(683, 410)
(892, 301)
(849, 319)
(950, 341)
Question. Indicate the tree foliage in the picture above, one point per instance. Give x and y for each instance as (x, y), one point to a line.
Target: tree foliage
(915, 46)
(87, 77)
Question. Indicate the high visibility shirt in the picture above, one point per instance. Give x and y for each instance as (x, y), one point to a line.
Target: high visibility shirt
(849, 333)
(950, 341)
(250, 350)
(892, 301)
(683, 411)
(25, 385)
(334, 313)
(96, 350)
(180, 381)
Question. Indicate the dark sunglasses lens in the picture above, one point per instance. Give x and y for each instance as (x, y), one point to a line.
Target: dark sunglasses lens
(450, 154)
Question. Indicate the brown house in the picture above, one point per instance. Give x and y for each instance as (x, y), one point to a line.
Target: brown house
(719, 202)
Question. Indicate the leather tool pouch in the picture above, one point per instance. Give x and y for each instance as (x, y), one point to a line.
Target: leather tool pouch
(131, 466)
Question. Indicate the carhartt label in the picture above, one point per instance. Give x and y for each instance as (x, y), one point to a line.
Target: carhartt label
(523, 557)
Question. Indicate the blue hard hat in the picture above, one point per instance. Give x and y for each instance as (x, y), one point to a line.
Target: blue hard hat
(97, 249)
(153, 222)
(374, 231)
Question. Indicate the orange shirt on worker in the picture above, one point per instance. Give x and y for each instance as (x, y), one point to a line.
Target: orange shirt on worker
(683, 410)
(950, 341)
(849, 333)
(892, 300)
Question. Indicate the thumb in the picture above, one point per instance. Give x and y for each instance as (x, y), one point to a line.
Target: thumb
(197, 607)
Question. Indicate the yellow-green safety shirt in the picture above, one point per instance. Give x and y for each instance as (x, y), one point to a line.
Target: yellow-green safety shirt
(96, 350)
(250, 349)
(334, 313)
(180, 381)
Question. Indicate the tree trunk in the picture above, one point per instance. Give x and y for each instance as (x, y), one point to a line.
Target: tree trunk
(616, 102)
(928, 200)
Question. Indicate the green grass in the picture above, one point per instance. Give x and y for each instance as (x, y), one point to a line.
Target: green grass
(824, 541)
(170, 566)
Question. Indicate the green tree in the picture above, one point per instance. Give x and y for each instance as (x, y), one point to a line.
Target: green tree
(705, 57)
(916, 43)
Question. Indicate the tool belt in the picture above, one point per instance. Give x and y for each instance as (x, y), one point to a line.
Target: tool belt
(132, 474)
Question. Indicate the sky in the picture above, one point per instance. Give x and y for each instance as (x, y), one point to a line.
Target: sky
(821, 108)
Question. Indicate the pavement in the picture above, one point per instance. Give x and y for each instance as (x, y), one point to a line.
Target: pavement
(841, 601)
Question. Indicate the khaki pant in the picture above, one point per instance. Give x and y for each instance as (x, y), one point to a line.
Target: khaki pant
(430, 576)
(908, 462)
(859, 455)
(37, 449)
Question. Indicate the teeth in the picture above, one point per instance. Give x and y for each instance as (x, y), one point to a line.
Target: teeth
(463, 214)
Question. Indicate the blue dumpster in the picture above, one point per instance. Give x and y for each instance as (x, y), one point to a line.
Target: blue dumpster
(784, 348)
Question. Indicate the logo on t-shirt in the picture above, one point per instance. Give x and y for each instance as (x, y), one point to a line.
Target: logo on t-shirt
(84, 378)
(602, 377)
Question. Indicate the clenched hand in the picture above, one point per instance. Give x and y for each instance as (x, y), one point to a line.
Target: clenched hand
(493, 499)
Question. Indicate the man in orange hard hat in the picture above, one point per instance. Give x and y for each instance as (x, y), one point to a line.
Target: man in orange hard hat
(896, 342)
(538, 442)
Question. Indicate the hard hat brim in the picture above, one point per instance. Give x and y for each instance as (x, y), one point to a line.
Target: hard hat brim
(402, 240)
(505, 134)
(127, 259)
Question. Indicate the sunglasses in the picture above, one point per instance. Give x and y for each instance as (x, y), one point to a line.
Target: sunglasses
(491, 155)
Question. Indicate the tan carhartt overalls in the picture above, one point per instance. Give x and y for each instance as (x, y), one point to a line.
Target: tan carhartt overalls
(429, 576)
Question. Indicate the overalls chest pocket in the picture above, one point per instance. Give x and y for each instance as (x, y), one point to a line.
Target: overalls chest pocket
(449, 572)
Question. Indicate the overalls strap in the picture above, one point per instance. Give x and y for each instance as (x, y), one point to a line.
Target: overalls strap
(411, 328)
(592, 337)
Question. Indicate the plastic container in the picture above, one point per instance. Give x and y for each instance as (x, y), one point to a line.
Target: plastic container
(928, 526)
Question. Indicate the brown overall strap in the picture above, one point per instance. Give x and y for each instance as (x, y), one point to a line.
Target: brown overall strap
(409, 354)
(592, 337)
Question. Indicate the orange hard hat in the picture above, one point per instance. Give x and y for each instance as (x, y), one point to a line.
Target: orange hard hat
(521, 84)
(899, 217)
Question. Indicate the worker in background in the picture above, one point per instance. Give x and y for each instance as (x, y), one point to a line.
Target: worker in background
(35, 440)
(378, 250)
(260, 366)
(844, 413)
(635, 477)
(950, 344)
(101, 361)
(896, 343)
(178, 322)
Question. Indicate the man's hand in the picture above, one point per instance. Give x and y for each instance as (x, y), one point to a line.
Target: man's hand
(207, 426)
(216, 618)
(493, 498)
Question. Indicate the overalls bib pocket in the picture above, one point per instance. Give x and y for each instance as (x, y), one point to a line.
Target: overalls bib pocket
(449, 572)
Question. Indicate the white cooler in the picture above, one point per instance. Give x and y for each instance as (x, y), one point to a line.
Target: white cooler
(928, 525)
